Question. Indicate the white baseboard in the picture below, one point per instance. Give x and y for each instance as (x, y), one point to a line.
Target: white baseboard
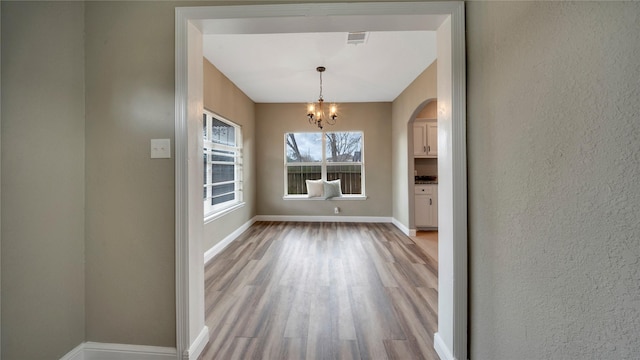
(76, 354)
(103, 351)
(304, 218)
(441, 348)
(198, 345)
(402, 228)
(217, 248)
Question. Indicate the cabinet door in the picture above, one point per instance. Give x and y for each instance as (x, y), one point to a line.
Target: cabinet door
(426, 206)
(420, 139)
(432, 139)
(433, 211)
(422, 210)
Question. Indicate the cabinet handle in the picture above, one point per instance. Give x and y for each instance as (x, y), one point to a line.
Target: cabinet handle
(425, 148)
(429, 148)
(430, 203)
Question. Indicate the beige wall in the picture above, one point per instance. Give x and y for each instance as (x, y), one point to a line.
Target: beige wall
(554, 197)
(222, 97)
(274, 120)
(129, 197)
(429, 111)
(405, 107)
(42, 131)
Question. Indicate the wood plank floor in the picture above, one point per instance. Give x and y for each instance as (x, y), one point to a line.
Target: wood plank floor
(428, 242)
(321, 291)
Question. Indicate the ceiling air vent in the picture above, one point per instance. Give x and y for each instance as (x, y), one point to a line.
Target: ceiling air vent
(357, 37)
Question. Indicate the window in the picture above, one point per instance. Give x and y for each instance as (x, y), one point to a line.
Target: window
(222, 157)
(328, 156)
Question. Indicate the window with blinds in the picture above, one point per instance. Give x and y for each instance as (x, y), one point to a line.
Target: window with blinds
(222, 158)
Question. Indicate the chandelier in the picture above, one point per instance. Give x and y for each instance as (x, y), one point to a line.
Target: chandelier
(315, 111)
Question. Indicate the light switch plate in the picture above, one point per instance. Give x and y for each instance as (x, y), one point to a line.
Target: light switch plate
(160, 148)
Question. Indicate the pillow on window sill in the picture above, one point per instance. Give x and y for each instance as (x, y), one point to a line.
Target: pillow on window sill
(314, 188)
(332, 189)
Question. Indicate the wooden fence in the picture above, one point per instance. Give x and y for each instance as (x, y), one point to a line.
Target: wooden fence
(350, 180)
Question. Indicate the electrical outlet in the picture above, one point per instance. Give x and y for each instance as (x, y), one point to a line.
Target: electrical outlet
(336, 210)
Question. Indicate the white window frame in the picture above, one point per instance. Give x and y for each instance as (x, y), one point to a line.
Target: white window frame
(323, 163)
(212, 212)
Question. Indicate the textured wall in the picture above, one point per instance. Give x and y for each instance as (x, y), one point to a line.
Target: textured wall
(130, 203)
(222, 97)
(42, 179)
(274, 120)
(554, 163)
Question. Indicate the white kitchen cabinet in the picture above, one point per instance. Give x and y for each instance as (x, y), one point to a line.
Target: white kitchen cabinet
(425, 138)
(419, 138)
(432, 139)
(426, 206)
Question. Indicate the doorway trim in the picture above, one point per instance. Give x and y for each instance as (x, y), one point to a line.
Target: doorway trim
(191, 332)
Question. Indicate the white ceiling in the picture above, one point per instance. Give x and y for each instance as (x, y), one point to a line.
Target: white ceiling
(274, 60)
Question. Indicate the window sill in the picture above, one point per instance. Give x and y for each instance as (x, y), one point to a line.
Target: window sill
(220, 213)
(341, 198)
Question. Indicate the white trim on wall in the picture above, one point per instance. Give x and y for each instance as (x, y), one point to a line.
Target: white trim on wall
(77, 353)
(105, 351)
(217, 248)
(403, 228)
(459, 155)
(182, 187)
(189, 212)
(198, 345)
(303, 218)
(441, 348)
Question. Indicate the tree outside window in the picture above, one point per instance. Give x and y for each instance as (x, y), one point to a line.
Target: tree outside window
(327, 156)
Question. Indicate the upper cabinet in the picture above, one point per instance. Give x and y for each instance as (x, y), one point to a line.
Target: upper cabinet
(432, 138)
(425, 138)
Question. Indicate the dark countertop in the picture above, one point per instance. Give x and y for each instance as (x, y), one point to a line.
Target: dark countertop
(425, 179)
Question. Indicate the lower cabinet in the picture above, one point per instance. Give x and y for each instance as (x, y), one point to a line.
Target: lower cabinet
(426, 206)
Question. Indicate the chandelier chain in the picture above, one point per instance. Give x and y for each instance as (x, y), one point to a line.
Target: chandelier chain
(320, 84)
